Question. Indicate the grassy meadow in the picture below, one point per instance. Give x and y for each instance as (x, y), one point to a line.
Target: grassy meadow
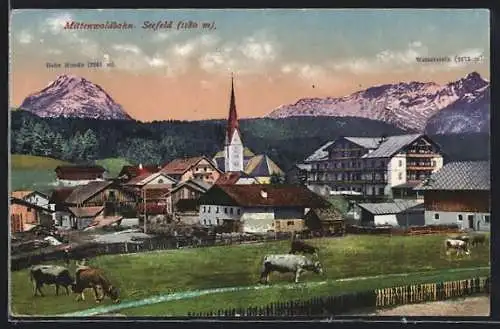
(154, 273)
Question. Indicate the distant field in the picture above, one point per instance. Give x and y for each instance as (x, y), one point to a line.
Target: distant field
(113, 165)
(149, 274)
(32, 162)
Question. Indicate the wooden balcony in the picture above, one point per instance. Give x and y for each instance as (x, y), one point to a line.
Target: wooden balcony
(418, 168)
(421, 155)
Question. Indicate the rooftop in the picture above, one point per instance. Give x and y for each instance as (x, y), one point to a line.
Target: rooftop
(463, 175)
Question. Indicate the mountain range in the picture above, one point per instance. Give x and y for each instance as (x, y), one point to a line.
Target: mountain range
(457, 107)
(461, 106)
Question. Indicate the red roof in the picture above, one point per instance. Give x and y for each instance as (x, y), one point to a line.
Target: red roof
(134, 171)
(230, 178)
(79, 172)
(260, 195)
(59, 195)
(180, 166)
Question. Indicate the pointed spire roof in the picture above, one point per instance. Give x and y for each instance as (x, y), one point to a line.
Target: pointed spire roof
(232, 121)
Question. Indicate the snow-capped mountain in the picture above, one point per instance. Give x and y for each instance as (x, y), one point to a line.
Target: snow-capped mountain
(469, 114)
(407, 105)
(75, 97)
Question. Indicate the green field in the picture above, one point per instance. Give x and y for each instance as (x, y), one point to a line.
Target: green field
(113, 165)
(156, 273)
(32, 162)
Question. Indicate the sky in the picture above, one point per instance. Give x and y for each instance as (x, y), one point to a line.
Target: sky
(277, 56)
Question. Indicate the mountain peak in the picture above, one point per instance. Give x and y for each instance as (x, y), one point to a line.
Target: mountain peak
(74, 96)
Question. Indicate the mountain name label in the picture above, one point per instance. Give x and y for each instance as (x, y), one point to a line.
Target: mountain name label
(88, 64)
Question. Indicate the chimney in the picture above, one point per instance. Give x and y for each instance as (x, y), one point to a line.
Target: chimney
(382, 139)
(140, 166)
(263, 194)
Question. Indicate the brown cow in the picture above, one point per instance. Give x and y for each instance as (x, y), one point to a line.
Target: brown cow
(89, 277)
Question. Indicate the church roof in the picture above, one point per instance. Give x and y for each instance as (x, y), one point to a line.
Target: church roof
(232, 121)
(262, 166)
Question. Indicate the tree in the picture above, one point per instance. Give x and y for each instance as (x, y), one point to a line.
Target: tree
(58, 146)
(90, 145)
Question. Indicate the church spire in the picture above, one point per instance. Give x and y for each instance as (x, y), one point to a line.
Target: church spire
(232, 121)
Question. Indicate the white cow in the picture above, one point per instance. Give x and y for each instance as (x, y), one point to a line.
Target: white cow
(288, 263)
(458, 245)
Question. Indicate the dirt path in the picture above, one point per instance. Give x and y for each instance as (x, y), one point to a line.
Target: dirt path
(472, 306)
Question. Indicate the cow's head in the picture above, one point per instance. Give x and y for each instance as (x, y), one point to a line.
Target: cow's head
(317, 268)
(114, 294)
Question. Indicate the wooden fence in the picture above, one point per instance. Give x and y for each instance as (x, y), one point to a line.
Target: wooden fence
(347, 303)
(411, 231)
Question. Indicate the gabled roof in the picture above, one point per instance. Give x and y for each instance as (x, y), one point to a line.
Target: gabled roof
(392, 145)
(25, 203)
(395, 207)
(196, 184)
(84, 171)
(262, 166)
(59, 195)
(86, 211)
(148, 177)
(20, 194)
(256, 195)
(327, 214)
(366, 142)
(84, 192)
(231, 178)
(134, 171)
(180, 166)
(320, 154)
(464, 175)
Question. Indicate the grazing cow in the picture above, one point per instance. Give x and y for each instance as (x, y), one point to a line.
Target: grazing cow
(88, 277)
(288, 263)
(299, 246)
(50, 274)
(477, 239)
(458, 245)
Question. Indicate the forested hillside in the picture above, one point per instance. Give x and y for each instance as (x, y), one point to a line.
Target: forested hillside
(286, 141)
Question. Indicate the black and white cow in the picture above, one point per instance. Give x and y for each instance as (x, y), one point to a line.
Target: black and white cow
(50, 274)
(288, 264)
(459, 246)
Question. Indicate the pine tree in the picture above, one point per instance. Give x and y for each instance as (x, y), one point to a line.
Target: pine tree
(57, 146)
(90, 145)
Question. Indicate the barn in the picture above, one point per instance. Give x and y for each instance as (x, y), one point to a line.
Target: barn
(459, 193)
(400, 213)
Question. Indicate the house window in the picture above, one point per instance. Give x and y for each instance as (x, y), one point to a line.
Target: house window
(231, 211)
(400, 163)
(208, 209)
(160, 181)
(487, 219)
(217, 221)
(239, 211)
(381, 191)
(289, 223)
(460, 217)
(111, 195)
(217, 210)
(373, 191)
(204, 222)
(400, 176)
(433, 163)
(225, 210)
(436, 216)
(29, 209)
(204, 210)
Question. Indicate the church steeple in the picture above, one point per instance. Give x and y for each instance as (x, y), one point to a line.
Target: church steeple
(233, 147)
(232, 121)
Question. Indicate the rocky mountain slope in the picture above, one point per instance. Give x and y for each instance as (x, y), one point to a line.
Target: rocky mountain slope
(72, 96)
(407, 105)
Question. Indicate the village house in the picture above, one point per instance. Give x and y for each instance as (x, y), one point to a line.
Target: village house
(459, 193)
(74, 175)
(237, 158)
(325, 221)
(377, 167)
(25, 215)
(399, 213)
(185, 169)
(298, 174)
(238, 178)
(129, 172)
(86, 202)
(183, 200)
(258, 208)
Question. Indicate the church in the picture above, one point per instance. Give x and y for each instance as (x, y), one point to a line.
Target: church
(239, 164)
